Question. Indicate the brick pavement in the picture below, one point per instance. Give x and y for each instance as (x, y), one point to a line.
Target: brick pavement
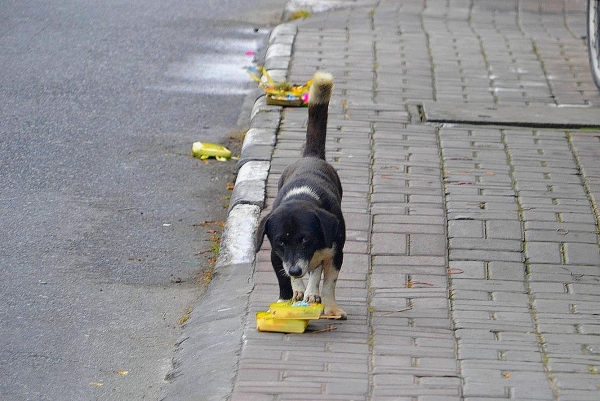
(471, 268)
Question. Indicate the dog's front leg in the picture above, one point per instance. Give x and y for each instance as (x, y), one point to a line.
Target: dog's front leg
(285, 284)
(312, 289)
(298, 288)
(328, 294)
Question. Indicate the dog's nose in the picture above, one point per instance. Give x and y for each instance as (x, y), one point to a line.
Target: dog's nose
(295, 271)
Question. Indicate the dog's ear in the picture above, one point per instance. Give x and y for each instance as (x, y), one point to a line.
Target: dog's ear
(260, 232)
(329, 226)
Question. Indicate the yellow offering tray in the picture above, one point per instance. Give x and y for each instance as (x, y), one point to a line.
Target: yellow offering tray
(265, 321)
(280, 93)
(296, 310)
(288, 317)
(275, 99)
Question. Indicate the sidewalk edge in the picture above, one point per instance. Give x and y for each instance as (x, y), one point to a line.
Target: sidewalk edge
(205, 364)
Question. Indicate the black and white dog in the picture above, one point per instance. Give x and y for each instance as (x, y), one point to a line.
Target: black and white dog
(306, 227)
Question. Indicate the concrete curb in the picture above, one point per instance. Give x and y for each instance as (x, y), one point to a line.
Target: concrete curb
(248, 195)
(205, 365)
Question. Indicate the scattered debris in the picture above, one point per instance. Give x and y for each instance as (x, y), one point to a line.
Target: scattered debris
(299, 14)
(397, 311)
(280, 93)
(204, 150)
(185, 317)
(412, 284)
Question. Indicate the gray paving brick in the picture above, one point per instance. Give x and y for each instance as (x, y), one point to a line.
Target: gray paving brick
(388, 244)
(501, 270)
(486, 244)
(561, 235)
(504, 229)
(465, 229)
(582, 254)
(427, 244)
(489, 285)
(543, 252)
(476, 213)
(458, 270)
(489, 255)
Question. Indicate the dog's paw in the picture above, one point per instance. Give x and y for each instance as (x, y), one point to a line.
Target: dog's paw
(298, 296)
(316, 298)
(335, 311)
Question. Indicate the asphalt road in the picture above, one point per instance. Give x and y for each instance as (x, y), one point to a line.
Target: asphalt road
(100, 204)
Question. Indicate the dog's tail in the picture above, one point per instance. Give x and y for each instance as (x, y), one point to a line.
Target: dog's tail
(318, 105)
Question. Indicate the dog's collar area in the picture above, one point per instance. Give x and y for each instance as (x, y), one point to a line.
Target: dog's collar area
(303, 190)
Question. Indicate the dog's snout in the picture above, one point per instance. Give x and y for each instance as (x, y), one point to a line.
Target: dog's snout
(295, 271)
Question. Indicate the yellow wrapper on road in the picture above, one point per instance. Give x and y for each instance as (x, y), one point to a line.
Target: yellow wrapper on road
(204, 150)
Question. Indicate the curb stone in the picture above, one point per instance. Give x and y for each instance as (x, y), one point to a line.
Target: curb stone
(205, 364)
(258, 146)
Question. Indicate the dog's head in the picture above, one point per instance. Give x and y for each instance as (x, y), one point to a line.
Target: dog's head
(296, 234)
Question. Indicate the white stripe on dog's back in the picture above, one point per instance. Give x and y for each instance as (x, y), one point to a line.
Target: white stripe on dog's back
(303, 190)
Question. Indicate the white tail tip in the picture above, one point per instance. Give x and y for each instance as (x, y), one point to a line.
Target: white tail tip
(321, 88)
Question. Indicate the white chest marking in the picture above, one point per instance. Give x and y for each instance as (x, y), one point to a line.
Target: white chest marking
(303, 190)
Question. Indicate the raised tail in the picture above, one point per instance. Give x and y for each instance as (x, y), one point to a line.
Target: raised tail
(318, 105)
